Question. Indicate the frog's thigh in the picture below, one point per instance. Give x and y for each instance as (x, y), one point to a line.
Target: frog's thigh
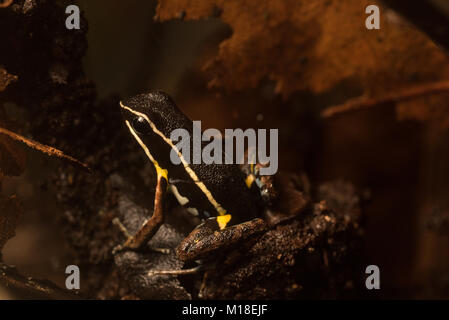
(208, 237)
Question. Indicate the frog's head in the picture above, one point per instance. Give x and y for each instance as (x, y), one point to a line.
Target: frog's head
(150, 111)
(151, 118)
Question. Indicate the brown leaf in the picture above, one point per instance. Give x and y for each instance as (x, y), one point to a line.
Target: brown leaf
(315, 45)
(6, 79)
(10, 211)
(50, 151)
(312, 45)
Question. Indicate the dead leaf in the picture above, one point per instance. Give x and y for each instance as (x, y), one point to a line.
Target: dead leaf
(315, 45)
(311, 45)
(10, 212)
(37, 288)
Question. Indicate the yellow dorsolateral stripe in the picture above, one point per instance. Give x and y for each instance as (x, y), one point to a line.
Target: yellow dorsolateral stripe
(249, 180)
(160, 172)
(189, 170)
(223, 221)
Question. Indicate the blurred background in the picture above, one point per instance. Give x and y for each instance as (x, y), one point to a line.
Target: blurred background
(280, 65)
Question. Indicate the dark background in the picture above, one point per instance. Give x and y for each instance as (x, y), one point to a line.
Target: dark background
(398, 159)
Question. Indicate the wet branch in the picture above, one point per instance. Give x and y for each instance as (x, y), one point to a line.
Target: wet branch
(11, 278)
(397, 96)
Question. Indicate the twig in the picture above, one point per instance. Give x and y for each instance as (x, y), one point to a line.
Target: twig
(174, 272)
(401, 95)
(10, 277)
(43, 148)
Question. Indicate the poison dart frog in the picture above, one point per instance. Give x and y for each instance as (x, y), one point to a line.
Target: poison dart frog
(227, 197)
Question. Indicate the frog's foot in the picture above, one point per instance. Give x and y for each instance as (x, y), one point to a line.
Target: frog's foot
(149, 227)
(174, 272)
(209, 237)
(119, 224)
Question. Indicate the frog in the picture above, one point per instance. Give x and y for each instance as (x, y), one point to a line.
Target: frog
(229, 199)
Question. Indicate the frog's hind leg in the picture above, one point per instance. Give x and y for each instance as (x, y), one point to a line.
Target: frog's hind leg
(211, 236)
(150, 227)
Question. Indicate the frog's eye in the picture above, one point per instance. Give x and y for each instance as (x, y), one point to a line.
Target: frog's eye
(141, 126)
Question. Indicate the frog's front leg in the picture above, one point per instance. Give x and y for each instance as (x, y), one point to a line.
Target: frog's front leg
(209, 237)
(150, 227)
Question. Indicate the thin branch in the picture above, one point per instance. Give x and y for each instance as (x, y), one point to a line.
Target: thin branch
(397, 96)
(11, 278)
(193, 270)
(43, 148)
